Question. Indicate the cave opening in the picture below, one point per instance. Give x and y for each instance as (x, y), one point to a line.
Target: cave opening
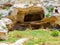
(33, 17)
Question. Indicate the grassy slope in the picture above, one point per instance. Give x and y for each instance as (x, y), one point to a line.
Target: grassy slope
(35, 36)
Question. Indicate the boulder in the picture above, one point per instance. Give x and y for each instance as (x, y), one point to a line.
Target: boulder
(27, 14)
(3, 30)
(21, 15)
(8, 23)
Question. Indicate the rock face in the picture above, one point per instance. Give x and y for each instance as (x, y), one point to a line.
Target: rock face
(22, 15)
(32, 18)
(29, 14)
(35, 14)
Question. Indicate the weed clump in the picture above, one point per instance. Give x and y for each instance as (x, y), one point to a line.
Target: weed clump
(54, 33)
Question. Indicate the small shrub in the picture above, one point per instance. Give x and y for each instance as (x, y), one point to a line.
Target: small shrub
(54, 33)
(47, 15)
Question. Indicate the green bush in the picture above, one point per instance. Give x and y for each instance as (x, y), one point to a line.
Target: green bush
(50, 8)
(47, 15)
(55, 33)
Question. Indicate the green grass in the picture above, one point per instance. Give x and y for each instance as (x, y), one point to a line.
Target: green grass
(35, 37)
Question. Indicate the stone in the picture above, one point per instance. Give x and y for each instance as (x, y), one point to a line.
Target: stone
(21, 15)
(5, 25)
(3, 30)
(20, 41)
(29, 13)
(8, 23)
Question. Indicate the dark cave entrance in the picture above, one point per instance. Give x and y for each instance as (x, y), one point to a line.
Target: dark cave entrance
(33, 17)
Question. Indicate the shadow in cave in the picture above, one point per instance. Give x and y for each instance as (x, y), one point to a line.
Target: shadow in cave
(33, 17)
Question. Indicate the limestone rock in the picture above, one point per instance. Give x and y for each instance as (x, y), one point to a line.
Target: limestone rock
(3, 30)
(22, 15)
(8, 23)
(30, 14)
